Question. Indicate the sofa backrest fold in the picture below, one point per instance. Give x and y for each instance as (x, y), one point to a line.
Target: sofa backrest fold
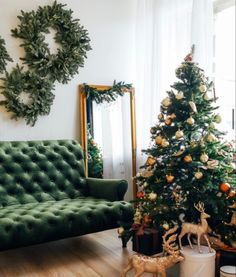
(38, 171)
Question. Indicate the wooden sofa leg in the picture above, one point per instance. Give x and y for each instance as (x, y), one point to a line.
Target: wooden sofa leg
(124, 242)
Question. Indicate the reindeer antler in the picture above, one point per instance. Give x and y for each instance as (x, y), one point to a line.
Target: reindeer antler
(199, 206)
(168, 244)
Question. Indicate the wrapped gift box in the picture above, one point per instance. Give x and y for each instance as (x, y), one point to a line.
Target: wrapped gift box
(149, 243)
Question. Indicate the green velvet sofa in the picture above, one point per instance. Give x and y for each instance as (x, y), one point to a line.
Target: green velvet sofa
(45, 196)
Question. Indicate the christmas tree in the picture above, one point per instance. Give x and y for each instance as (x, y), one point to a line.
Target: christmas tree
(95, 162)
(188, 159)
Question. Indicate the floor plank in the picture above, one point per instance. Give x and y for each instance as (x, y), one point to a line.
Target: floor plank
(93, 255)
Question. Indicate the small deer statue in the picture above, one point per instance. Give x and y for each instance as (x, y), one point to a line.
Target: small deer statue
(196, 229)
(155, 265)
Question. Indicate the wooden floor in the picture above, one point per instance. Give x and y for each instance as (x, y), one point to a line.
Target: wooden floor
(92, 255)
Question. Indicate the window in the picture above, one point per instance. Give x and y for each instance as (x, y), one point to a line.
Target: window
(224, 63)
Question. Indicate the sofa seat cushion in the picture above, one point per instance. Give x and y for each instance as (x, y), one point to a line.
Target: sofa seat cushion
(31, 223)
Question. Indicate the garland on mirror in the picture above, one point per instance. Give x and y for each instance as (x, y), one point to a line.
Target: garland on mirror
(95, 161)
(106, 95)
(4, 56)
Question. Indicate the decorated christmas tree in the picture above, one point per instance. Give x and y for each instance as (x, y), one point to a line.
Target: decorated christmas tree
(188, 160)
(95, 162)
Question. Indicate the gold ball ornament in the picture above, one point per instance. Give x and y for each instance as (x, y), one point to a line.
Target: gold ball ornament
(166, 226)
(166, 102)
(168, 121)
(170, 178)
(212, 125)
(224, 187)
(150, 160)
(152, 196)
(218, 118)
(165, 143)
(203, 88)
(198, 175)
(158, 140)
(145, 184)
(172, 116)
(204, 158)
(179, 134)
(179, 95)
(231, 193)
(188, 159)
(161, 116)
(211, 138)
(153, 130)
(206, 97)
(190, 120)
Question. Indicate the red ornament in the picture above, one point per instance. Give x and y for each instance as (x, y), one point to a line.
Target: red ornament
(224, 187)
(140, 194)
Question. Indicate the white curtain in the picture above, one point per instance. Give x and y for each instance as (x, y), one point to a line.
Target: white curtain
(112, 133)
(165, 31)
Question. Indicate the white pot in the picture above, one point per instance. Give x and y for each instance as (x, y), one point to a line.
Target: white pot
(228, 271)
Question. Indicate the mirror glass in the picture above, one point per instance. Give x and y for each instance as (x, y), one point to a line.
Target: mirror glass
(110, 143)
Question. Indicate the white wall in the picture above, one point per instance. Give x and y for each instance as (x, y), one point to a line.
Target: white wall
(110, 24)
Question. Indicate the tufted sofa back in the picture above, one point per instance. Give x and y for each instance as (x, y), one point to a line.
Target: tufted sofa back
(38, 171)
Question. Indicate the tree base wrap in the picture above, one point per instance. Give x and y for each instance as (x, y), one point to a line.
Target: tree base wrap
(224, 258)
(149, 243)
(197, 264)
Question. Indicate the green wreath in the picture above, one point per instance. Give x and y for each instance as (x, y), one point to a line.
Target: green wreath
(38, 90)
(107, 95)
(72, 37)
(4, 57)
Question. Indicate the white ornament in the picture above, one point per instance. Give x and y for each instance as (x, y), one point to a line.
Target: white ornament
(179, 95)
(203, 88)
(190, 120)
(179, 134)
(204, 158)
(193, 106)
(166, 102)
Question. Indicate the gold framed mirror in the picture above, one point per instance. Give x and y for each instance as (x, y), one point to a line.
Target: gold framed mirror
(87, 109)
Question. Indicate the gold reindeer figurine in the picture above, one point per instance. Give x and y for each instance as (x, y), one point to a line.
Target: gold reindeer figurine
(155, 265)
(196, 229)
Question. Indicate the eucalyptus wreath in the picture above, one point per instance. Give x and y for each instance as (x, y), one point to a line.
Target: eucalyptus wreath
(38, 91)
(4, 56)
(70, 35)
(107, 95)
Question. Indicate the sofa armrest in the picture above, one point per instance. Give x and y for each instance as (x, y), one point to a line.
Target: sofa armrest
(110, 189)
